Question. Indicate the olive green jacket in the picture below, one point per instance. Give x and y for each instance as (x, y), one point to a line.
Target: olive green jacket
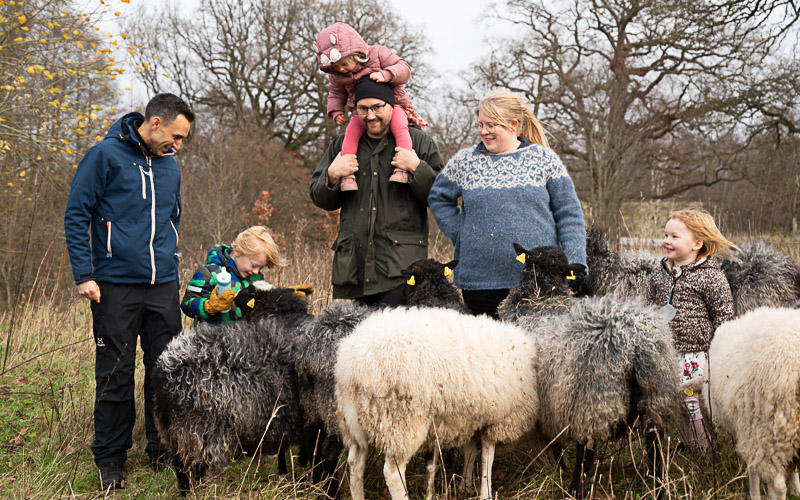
(383, 227)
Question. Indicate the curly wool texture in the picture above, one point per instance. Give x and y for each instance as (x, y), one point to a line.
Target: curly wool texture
(754, 388)
(314, 352)
(409, 378)
(608, 359)
(764, 277)
(625, 274)
(216, 387)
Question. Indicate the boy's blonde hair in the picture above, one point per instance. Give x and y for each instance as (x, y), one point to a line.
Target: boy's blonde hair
(257, 240)
(702, 225)
(501, 107)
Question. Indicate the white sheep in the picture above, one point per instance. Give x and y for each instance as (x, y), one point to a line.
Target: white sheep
(753, 393)
(415, 379)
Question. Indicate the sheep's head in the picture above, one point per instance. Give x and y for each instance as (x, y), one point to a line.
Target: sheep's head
(546, 268)
(262, 299)
(427, 284)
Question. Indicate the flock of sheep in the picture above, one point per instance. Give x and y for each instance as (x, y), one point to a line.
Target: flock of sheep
(429, 377)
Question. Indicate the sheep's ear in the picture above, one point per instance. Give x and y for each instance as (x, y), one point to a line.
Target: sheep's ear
(251, 303)
(521, 252)
(406, 273)
(452, 264)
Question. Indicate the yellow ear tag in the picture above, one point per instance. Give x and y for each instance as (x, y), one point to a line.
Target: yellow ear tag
(251, 303)
(447, 271)
(571, 275)
(521, 257)
(689, 391)
(411, 281)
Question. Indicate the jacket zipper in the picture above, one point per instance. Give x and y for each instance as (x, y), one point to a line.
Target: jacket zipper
(152, 221)
(108, 239)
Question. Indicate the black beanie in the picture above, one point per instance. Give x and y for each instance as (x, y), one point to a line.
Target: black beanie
(367, 87)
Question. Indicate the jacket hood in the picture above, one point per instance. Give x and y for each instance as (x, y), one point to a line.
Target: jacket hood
(126, 129)
(336, 42)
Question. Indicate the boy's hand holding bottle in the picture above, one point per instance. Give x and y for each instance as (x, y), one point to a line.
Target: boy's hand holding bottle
(219, 303)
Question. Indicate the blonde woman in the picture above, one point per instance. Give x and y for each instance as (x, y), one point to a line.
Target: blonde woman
(513, 189)
(252, 252)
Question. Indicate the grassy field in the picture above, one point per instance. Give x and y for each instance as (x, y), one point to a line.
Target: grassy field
(46, 430)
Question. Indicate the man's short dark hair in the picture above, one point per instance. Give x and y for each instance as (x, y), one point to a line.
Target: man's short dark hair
(168, 107)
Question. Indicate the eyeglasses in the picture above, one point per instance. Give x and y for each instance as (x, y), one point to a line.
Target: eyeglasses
(363, 110)
(488, 126)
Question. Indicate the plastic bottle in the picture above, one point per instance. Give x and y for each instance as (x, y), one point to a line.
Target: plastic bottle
(223, 283)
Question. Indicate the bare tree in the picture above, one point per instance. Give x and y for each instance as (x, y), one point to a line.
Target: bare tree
(636, 87)
(254, 59)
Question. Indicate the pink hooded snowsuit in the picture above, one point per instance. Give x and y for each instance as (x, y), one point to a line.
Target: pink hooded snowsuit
(339, 41)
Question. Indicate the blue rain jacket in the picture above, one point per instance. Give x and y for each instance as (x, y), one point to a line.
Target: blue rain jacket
(130, 201)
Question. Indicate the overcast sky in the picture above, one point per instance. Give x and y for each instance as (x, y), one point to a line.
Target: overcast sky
(456, 29)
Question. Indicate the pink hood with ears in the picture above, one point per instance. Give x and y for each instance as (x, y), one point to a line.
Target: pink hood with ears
(336, 42)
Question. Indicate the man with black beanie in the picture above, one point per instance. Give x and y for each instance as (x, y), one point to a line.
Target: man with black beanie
(383, 227)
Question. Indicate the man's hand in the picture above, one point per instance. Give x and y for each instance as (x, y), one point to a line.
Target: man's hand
(406, 159)
(377, 76)
(90, 290)
(340, 120)
(341, 166)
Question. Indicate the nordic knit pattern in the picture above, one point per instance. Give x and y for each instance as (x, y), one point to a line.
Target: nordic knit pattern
(205, 279)
(702, 300)
(525, 196)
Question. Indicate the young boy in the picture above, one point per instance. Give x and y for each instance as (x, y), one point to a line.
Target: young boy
(252, 251)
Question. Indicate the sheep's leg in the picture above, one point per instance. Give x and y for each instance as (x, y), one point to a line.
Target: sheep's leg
(655, 457)
(282, 449)
(584, 457)
(430, 474)
(182, 475)
(317, 458)
(357, 461)
(777, 488)
(470, 452)
(794, 480)
(487, 458)
(331, 449)
(755, 484)
(394, 472)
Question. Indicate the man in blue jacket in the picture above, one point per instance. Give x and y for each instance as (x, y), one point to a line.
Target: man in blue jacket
(126, 193)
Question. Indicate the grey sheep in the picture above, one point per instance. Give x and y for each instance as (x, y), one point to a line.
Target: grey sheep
(609, 361)
(297, 376)
(761, 275)
(226, 391)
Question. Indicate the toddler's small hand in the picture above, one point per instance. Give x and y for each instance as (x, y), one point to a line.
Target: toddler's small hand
(377, 76)
(340, 120)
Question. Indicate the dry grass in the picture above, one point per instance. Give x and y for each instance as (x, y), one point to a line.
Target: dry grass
(47, 389)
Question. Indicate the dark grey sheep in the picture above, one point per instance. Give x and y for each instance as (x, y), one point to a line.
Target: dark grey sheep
(304, 347)
(609, 360)
(763, 277)
(228, 391)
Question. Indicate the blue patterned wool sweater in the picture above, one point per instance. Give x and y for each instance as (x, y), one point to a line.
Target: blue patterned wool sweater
(524, 196)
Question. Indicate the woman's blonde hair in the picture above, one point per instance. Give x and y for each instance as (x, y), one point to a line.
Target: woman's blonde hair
(502, 107)
(702, 225)
(257, 240)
